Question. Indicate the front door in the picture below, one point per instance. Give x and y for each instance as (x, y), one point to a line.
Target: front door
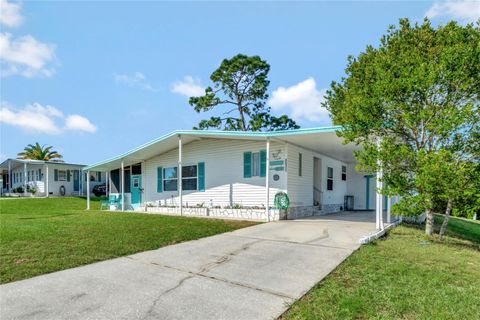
(136, 190)
(76, 180)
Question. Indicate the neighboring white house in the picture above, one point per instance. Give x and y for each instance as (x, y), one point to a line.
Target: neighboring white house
(45, 178)
(226, 174)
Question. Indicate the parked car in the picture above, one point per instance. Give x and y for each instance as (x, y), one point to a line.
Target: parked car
(100, 190)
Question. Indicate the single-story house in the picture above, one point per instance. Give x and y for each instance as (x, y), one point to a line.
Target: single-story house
(238, 174)
(46, 178)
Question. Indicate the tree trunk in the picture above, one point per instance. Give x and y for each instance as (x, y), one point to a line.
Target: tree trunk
(429, 222)
(447, 217)
(242, 117)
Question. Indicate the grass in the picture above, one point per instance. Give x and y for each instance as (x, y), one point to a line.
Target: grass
(403, 276)
(44, 235)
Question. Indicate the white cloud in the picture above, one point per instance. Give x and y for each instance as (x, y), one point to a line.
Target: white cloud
(10, 14)
(137, 79)
(189, 87)
(303, 100)
(36, 118)
(25, 56)
(468, 11)
(79, 123)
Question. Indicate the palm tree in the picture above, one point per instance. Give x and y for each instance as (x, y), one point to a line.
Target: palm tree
(38, 152)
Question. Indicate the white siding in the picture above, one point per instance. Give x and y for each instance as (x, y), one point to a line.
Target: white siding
(54, 186)
(224, 181)
(300, 188)
(357, 187)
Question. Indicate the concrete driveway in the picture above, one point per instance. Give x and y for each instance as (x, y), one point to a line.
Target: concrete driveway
(252, 273)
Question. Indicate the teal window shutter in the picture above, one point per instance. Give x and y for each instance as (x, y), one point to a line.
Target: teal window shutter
(159, 179)
(68, 175)
(263, 163)
(201, 176)
(247, 164)
(55, 175)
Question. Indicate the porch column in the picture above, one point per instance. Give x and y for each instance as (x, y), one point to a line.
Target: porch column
(107, 190)
(25, 179)
(179, 173)
(88, 190)
(46, 181)
(267, 181)
(122, 185)
(379, 201)
(389, 210)
(144, 183)
(109, 183)
(10, 176)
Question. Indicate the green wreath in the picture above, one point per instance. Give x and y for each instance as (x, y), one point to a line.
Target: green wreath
(281, 200)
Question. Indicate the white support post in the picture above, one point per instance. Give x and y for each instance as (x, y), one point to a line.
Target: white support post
(25, 179)
(267, 181)
(179, 173)
(46, 181)
(122, 186)
(107, 189)
(389, 210)
(379, 196)
(88, 190)
(144, 183)
(109, 183)
(10, 180)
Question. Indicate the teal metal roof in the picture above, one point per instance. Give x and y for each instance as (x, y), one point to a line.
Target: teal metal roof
(219, 133)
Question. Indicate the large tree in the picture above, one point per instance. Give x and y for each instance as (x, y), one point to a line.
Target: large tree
(240, 83)
(39, 152)
(407, 100)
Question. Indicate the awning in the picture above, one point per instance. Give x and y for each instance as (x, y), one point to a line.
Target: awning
(323, 140)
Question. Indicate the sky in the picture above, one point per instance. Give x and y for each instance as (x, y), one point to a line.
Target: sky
(97, 78)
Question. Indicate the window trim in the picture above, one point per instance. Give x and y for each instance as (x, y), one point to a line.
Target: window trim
(190, 178)
(183, 178)
(257, 155)
(60, 172)
(164, 179)
(329, 178)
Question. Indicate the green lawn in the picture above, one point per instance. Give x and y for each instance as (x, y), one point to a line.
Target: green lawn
(402, 276)
(44, 235)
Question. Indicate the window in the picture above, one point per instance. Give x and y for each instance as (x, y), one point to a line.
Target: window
(136, 182)
(255, 164)
(170, 179)
(329, 178)
(62, 175)
(28, 176)
(189, 178)
(344, 173)
(299, 164)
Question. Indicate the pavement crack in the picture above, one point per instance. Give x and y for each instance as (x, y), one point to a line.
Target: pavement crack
(292, 242)
(151, 311)
(227, 257)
